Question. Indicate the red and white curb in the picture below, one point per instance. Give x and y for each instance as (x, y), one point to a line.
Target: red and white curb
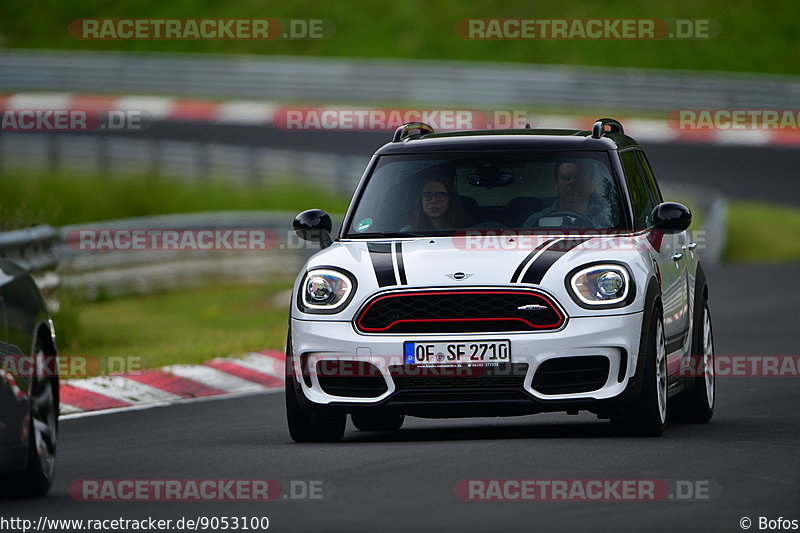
(260, 113)
(157, 107)
(255, 372)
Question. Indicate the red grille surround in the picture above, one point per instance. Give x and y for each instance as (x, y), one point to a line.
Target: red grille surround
(459, 311)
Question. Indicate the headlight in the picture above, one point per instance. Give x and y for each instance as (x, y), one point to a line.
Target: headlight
(601, 284)
(325, 290)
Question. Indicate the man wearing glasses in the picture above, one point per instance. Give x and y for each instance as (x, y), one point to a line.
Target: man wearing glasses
(576, 195)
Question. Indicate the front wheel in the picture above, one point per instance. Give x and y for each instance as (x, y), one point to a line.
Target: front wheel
(696, 405)
(308, 425)
(648, 416)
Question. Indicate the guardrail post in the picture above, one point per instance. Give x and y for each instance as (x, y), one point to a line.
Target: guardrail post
(53, 155)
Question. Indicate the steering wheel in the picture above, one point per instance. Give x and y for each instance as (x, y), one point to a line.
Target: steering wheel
(579, 216)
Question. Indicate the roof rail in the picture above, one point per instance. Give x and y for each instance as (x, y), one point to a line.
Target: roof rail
(599, 127)
(405, 130)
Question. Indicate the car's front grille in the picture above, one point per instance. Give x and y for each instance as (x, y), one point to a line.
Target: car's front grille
(569, 375)
(460, 311)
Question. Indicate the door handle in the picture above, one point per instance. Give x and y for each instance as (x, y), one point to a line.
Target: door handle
(677, 256)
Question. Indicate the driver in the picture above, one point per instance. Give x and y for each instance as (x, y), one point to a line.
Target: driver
(575, 188)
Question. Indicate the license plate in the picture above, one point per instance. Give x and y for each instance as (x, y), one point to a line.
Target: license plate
(444, 353)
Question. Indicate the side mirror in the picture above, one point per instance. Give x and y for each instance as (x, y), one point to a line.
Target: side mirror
(671, 217)
(314, 225)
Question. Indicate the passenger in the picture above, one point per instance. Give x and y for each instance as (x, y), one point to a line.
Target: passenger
(437, 206)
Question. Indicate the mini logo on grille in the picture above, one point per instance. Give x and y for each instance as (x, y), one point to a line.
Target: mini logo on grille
(458, 276)
(532, 307)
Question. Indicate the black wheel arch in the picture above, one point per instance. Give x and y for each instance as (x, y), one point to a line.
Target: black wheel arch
(700, 282)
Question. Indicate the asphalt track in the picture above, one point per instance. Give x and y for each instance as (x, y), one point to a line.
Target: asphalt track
(404, 480)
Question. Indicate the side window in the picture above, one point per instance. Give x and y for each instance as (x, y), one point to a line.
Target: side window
(649, 177)
(643, 204)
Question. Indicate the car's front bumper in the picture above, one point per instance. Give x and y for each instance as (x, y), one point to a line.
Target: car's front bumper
(614, 337)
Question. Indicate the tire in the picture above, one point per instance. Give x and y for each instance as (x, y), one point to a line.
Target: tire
(308, 425)
(377, 421)
(696, 405)
(36, 479)
(648, 416)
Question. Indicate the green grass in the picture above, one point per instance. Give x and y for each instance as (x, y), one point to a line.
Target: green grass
(762, 233)
(187, 326)
(58, 200)
(755, 36)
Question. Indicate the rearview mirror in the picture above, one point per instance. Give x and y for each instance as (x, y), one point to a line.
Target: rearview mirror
(314, 225)
(671, 217)
(501, 179)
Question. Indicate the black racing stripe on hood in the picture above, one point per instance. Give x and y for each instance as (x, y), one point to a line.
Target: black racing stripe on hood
(543, 263)
(381, 255)
(521, 267)
(401, 269)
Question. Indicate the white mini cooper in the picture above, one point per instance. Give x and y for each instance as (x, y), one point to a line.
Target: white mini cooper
(502, 272)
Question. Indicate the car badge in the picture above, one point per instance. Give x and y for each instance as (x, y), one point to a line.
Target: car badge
(458, 276)
(532, 307)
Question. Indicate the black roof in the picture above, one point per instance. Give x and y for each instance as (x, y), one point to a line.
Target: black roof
(516, 139)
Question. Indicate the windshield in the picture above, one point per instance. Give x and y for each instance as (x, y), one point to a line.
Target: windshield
(439, 194)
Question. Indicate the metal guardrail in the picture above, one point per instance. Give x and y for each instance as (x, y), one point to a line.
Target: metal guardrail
(196, 161)
(119, 272)
(370, 81)
(30, 248)
(34, 250)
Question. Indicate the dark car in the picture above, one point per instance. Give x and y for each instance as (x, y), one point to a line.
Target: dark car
(28, 386)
